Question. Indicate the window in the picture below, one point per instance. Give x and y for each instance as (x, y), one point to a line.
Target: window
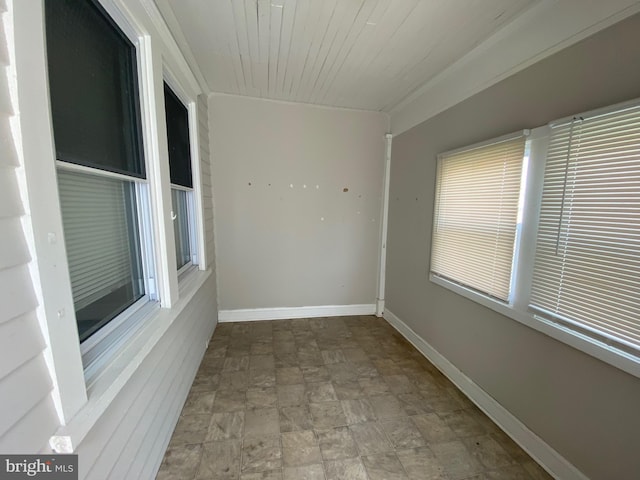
(177, 117)
(573, 235)
(476, 212)
(100, 164)
(587, 263)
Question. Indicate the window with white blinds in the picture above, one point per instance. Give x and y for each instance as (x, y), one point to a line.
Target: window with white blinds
(476, 215)
(587, 260)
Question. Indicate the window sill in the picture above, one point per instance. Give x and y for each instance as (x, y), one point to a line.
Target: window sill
(106, 387)
(591, 346)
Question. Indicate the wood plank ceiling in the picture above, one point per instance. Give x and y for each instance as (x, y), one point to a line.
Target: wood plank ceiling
(364, 54)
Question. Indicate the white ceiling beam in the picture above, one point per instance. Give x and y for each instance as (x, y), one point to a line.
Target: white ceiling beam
(544, 29)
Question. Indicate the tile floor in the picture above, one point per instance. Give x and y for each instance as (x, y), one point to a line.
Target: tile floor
(331, 398)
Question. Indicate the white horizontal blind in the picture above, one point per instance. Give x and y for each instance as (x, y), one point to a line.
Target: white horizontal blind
(587, 268)
(476, 212)
(96, 234)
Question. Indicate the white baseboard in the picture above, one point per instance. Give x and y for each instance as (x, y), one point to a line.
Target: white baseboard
(253, 314)
(538, 449)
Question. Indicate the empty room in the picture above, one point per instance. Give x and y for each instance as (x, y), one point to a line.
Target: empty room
(320, 239)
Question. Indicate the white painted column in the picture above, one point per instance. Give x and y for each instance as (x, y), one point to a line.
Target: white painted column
(382, 264)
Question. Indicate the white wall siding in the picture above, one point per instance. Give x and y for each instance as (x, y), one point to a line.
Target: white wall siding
(28, 414)
(130, 439)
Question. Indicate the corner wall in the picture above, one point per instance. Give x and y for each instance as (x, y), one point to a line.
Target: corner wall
(583, 408)
(298, 196)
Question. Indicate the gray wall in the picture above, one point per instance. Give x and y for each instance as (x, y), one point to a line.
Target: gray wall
(274, 249)
(585, 409)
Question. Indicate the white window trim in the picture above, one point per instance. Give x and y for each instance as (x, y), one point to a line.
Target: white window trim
(517, 309)
(81, 401)
(196, 224)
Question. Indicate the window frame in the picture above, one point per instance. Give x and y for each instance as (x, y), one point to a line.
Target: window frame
(98, 349)
(81, 396)
(518, 306)
(443, 157)
(194, 198)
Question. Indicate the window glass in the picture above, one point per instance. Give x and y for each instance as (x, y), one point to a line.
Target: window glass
(100, 221)
(587, 268)
(93, 87)
(180, 205)
(178, 139)
(474, 230)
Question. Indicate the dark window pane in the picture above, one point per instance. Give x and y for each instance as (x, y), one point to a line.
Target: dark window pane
(178, 139)
(93, 86)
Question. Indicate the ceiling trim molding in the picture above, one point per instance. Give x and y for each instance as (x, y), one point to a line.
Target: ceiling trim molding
(291, 102)
(171, 35)
(541, 31)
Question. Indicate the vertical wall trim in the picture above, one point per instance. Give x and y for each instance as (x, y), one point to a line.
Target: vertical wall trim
(384, 226)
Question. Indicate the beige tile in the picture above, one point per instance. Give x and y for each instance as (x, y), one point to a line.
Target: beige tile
(403, 433)
(384, 466)
(205, 382)
(261, 422)
(348, 390)
(180, 462)
(190, 429)
(300, 448)
(358, 411)
(511, 447)
(289, 376)
(333, 356)
(198, 403)
(373, 386)
(270, 475)
(220, 460)
(291, 395)
(421, 464)
(315, 374)
(488, 452)
(336, 443)
(456, 460)
(225, 426)
(262, 378)
(387, 406)
(355, 355)
(261, 348)
(235, 364)
(309, 357)
(229, 401)
(234, 381)
(341, 372)
(261, 453)
(262, 397)
(295, 418)
(327, 415)
(320, 392)
(414, 403)
(306, 472)
(399, 384)
(262, 362)
(365, 369)
(512, 472)
(346, 469)
(462, 423)
(370, 438)
(433, 428)
(443, 403)
(286, 359)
